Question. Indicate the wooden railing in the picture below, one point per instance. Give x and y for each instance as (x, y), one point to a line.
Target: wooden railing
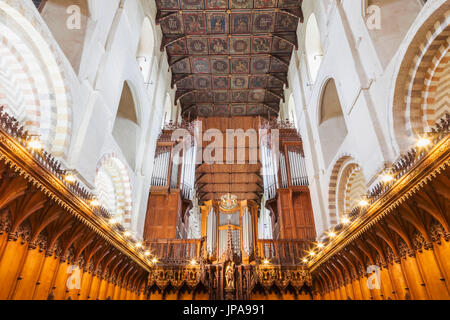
(178, 252)
(283, 252)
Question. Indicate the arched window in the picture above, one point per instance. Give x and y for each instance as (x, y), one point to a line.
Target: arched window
(144, 55)
(126, 128)
(67, 20)
(313, 47)
(332, 126)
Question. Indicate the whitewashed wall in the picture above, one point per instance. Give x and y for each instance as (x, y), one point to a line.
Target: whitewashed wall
(108, 59)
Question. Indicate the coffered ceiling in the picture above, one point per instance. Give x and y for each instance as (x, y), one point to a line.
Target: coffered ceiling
(229, 57)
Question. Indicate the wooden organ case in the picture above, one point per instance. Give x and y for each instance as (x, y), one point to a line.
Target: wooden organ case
(286, 185)
(172, 189)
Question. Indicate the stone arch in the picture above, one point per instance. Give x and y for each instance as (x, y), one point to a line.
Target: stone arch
(32, 83)
(346, 187)
(111, 172)
(351, 189)
(313, 47)
(331, 123)
(420, 94)
(126, 130)
(68, 21)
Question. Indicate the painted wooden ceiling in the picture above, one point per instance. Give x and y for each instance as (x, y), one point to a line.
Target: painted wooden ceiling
(229, 57)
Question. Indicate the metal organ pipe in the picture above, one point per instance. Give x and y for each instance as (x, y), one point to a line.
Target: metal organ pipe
(291, 166)
(166, 169)
(283, 169)
(211, 236)
(174, 174)
(297, 164)
(269, 172)
(247, 232)
(304, 173)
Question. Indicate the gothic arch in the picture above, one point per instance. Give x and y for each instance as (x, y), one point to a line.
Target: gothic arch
(111, 172)
(32, 83)
(420, 94)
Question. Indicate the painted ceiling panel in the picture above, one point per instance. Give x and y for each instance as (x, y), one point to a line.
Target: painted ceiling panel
(229, 57)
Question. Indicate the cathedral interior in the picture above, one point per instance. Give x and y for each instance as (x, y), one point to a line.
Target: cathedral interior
(224, 150)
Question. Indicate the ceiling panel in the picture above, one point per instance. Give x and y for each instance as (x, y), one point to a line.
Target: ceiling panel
(229, 57)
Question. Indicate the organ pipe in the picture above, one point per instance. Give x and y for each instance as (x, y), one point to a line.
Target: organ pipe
(211, 237)
(298, 169)
(247, 232)
(160, 170)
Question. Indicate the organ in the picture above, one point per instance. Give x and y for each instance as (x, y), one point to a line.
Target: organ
(232, 196)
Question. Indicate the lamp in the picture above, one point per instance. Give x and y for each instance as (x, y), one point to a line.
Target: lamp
(35, 143)
(69, 176)
(423, 142)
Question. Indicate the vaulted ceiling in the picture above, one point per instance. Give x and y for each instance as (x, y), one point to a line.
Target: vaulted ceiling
(229, 57)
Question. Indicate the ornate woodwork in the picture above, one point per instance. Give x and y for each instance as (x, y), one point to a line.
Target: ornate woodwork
(47, 228)
(403, 234)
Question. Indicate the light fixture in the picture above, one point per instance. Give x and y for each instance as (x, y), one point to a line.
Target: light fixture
(331, 234)
(113, 221)
(154, 260)
(423, 142)
(386, 178)
(70, 177)
(95, 203)
(138, 245)
(320, 245)
(305, 260)
(193, 262)
(345, 220)
(363, 203)
(147, 253)
(312, 253)
(35, 143)
(266, 262)
(127, 234)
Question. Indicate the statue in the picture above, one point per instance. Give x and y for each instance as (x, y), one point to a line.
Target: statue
(229, 276)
